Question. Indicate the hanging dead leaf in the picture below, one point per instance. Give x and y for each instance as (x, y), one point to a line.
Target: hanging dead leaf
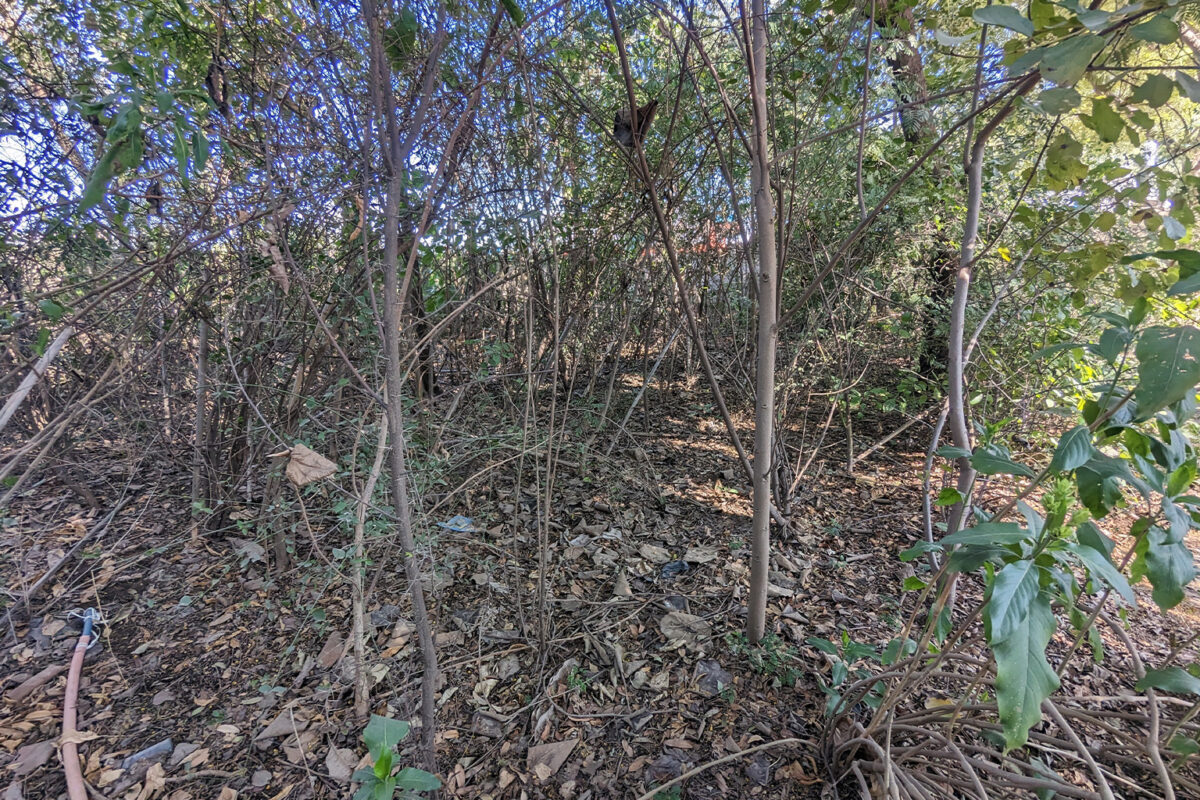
(358, 228)
(78, 737)
(546, 759)
(306, 466)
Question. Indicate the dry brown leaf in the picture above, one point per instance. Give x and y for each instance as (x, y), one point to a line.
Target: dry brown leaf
(196, 758)
(109, 776)
(546, 759)
(78, 737)
(306, 466)
(331, 653)
(686, 628)
(340, 762)
(229, 794)
(31, 756)
(155, 782)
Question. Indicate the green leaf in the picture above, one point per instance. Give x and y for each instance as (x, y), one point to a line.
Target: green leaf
(1169, 568)
(996, 460)
(1090, 535)
(1059, 100)
(948, 496)
(52, 309)
(997, 533)
(1181, 478)
(1155, 92)
(1113, 342)
(1023, 677)
(1065, 62)
(1005, 17)
(1185, 746)
(514, 12)
(1173, 228)
(1169, 367)
(181, 153)
(1189, 86)
(1104, 121)
(1100, 567)
(1074, 449)
(384, 733)
(1171, 679)
(914, 584)
(1159, 29)
(948, 452)
(946, 40)
(199, 150)
(97, 182)
(1185, 286)
(1014, 587)
(1095, 20)
(40, 344)
(920, 549)
(417, 780)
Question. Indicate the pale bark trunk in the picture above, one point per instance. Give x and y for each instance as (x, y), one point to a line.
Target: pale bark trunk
(764, 423)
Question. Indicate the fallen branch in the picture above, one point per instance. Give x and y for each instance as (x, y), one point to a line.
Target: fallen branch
(39, 369)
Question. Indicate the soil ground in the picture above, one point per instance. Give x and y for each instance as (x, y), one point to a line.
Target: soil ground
(641, 673)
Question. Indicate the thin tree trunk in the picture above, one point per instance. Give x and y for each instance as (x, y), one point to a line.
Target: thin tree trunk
(362, 691)
(764, 421)
(956, 378)
(200, 430)
(396, 157)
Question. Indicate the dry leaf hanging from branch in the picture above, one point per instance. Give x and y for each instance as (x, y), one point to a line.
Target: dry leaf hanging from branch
(306, 466)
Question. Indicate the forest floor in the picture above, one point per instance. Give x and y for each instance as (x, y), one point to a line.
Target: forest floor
(644, 671)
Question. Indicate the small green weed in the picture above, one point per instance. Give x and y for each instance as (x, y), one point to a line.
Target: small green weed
(381, 735)
(772, 657)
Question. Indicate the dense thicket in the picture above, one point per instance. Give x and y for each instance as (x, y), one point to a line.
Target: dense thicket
(982, 219)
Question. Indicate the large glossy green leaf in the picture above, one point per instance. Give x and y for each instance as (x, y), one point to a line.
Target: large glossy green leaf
(1169, 567)
(1014, 587)
(1170, 679)
(1005, 17)
(1059, 100)
(1106, 122)
(1189, 86)
(1168, 366)
(993, 459)
(1155, 91)
(417, 780)
(989, 533)
(1100, 567)
(514, 12)
(382, 734)
(1074, 449)
(1023, 677)
(1159, 29)
(1065, 62)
